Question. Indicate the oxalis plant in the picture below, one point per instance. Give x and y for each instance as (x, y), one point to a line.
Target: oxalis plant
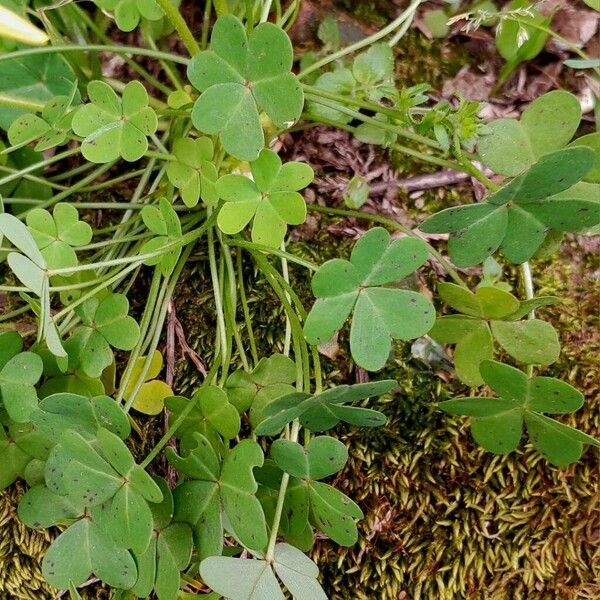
(198, 148)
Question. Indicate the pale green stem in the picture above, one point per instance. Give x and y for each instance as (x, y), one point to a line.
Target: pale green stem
(221, 332)
(529, 293)
(173, 14)
(266, 10)
(38, 165)
(95, 48)
(269, 555)
(20, 102)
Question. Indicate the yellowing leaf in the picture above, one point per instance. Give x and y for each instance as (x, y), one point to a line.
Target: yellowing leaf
(150, 399)
(151, 395)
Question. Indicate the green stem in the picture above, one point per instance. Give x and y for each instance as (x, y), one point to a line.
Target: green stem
(275, 251)
(529, 293)
(144, 324)
(156, 325)
(392, 225)
(179, 23)
(20, 102)
(39, 165)
(391, 112)
(245, 308)
(221, 330)
(95, 48)
(206, 24)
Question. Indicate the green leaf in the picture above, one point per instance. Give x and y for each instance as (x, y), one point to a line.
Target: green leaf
(14, 459)
(165, 224)
(559, 443)
(238, 492)
(470, 351)
(296, 405)
(244, 579)
(241, 579)
(198, 503)
(374, 65)
(105, 324)
(581, 63)
(323, 457)
(195, 422)
(356, 192)
(113, 127)
(509, 146)
(342, 287)
(516, 217)
(50, 129)
(129, 519)
(591, 140)
(59, 412)
(298, 573)
(20, 237)
(193, 173)
(128, 13)
(497, 423)
(82, 549)
(271, 200)
(36, 77)
(215, 406)
(334, 513)
(58, 233)
(266, 379)
(240, 76)
(17, 385)
(531, 341)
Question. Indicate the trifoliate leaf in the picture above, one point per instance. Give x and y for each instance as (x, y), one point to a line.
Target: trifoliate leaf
(105, 323)
(497, 423)
(164, 223)
(58, 233)
(378, 313)
(323, 411)
(193, 173)
(489, 315)
(239, 76)
(235, 485)
(272, 377)
(516, 218)
(113, 126)
(50, 129)
(271, 201)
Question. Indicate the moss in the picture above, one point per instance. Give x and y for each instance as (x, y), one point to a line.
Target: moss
(444, 519)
